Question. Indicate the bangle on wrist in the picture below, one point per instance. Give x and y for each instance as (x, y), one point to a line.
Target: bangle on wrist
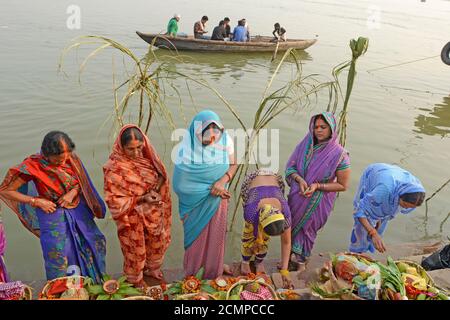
(372, 232)
(228, 175)
(284, 272)
(33, 201)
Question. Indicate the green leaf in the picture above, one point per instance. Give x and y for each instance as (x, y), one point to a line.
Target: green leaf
(103, 297)
(207, 288)
(172, 291)
(95, 289)
(122, 279)
(117, 296)
(106, 277)
(200, 273)
(130, 291)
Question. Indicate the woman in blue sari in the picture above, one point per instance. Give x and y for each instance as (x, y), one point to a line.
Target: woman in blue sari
(204, 166)
(54, 198)
(384, 190)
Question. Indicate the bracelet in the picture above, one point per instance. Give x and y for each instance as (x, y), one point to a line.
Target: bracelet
(372, 232)
(284, 272)
(33, 202)
(322, 186)
(229, 176)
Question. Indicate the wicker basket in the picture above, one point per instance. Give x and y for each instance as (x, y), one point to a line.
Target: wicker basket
(73, 279)
(27, 293)
(191, 295)
(420, 270)
(335, 284)
(245, 282)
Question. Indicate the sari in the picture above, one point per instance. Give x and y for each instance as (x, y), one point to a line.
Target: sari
(3, 272)
(143, 229)
(314, 163)
(377, 200)
(204, 216)
(70, 239)
(254, 241)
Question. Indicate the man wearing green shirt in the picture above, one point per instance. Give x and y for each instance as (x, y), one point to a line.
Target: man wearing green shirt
(172, 27)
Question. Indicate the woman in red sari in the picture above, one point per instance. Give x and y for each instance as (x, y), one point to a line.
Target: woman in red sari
(54, 198)
(138, 196)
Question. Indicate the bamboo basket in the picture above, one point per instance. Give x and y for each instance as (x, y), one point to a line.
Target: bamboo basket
(335, 284)
(43, 295)
(27, 293)
(244, 282)
(420, 270)
(191, 295)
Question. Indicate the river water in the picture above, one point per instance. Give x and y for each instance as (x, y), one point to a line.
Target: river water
(398, 115)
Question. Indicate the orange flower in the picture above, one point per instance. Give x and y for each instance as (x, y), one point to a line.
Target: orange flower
(221, 284)
(191, 285)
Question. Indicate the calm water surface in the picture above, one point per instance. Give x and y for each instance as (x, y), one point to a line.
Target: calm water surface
(399, 115)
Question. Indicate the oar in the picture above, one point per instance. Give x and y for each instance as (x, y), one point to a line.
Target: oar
(276, 50)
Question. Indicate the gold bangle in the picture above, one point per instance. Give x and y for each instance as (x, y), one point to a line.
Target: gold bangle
(33, 202)
(284, 272)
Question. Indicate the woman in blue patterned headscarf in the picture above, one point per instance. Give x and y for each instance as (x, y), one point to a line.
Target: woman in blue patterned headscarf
(384, 190)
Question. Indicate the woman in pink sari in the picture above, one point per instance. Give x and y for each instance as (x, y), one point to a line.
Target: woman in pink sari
(318, 168)
(203, 169)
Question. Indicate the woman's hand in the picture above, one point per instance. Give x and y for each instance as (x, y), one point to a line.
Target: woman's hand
(312, 188)
(302, 184)
(152, 197)
(287, 282)
(378, 242)
(218, 190)
(46, 205)
(68, 198)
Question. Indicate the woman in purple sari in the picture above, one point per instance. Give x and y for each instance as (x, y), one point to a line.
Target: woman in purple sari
(3, 273)
(54, 198)
(318, 168)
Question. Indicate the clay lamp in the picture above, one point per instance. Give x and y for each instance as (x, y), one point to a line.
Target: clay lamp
(111, 286)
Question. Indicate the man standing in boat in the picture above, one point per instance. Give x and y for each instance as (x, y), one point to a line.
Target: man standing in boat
(199, 29)
(172, 27)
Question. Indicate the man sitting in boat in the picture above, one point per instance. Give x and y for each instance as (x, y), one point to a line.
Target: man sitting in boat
(240, 33)
(199, 29)
(219, 32)
(279, 33)
(226, 24)
(172, 27)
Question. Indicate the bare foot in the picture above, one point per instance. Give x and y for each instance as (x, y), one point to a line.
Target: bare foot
(227, 270)
(301, 266)
(260, 268)
(245, 268)
(157, 274)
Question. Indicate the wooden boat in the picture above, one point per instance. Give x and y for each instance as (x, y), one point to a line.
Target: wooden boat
(256, 44)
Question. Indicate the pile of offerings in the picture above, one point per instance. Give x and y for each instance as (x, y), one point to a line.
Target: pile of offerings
(112, 289)
(289, 294)
(15, 290)
(66, 288)
(349, 276)
(251, 287)
(256, 289)
(418, 283)
(83, 288)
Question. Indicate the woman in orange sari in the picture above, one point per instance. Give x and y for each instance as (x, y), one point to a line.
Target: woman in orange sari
(138, 196)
